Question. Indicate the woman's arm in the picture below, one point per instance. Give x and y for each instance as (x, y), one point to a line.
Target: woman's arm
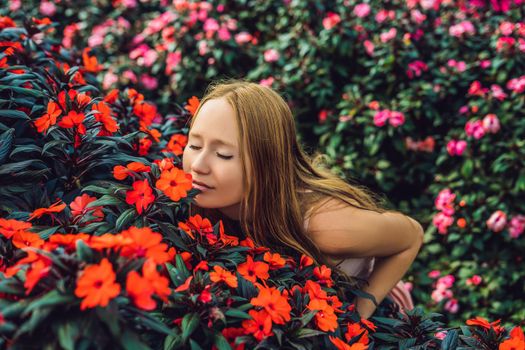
(343, 231)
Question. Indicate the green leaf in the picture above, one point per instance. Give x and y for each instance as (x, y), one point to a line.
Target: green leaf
(23, 91)
(189, 325)
(451, 340)
(6, 144)
(221, 343)
(84, 252)
(23, 165)
(13, 114)
(67, 334)
(131, 341)
(125, 218)
(105, 200)
(238, 314)
(307, 332)
(53, 298)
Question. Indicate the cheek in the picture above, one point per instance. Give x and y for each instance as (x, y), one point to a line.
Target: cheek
(186, 162)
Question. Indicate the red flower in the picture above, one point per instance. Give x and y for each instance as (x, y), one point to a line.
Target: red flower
(50, 118)
(176, 144)
(274, 303)
(275, 260)
(145, 243)
(251, 270)
(324, 274)
(341, 345)
(9, 227)
(120, 172)
(38, 270)
(325, 317)
(193, 105)
(141, 195)
(140, 291)
(103, 116)
(74, 119)
(90, 63)
(146, 112)
(260, 326)
(79, 207)
(221, 275)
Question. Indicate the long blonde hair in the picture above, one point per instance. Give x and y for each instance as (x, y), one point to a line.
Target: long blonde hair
(273, 208)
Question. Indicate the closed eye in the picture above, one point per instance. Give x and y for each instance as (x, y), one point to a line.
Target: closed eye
(218, 154)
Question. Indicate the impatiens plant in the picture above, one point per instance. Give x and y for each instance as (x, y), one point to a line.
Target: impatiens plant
(97, 249)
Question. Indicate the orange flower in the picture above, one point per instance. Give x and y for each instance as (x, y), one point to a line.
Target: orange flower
(193, 105)
(146, 112)
(176, 144)
(260, 326)
(481, 322)
(221, 275)
(325, 318)
(140, 291)
(74, 119)
(341, 345)
(120, 172)
(514, 343)
(38, 270)
(97, 285)
(159, 283)
(517, 332)
(145, 243)
(275, 260)
(141, 195)
(185, 286)
(324, 274)
(68, 241)
(175, 183)
(109, 241)
(54, 208)
(462, 223)
(355, 330)
(369, 324)
(251, 270)
(90, 63)
(112, 96)
(22, 239)
(197, 223)
(9, 227)
(135, 96)
(274, 303)
(50, 118)
(306, 261)
(314, 290)
(109, 125)
(164, 164)
(79, 207)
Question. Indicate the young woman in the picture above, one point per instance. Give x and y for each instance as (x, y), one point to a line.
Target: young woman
(244, 156)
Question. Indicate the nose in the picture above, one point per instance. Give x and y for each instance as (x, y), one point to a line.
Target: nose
(200, 165)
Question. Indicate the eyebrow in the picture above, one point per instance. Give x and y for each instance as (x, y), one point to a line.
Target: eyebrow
(213, 141)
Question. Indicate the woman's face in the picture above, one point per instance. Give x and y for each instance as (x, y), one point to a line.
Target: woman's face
(212, 158)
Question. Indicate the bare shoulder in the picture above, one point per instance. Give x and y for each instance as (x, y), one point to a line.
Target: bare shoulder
(345, 230)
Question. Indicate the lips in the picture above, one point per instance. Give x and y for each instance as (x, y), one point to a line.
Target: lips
(202, 184)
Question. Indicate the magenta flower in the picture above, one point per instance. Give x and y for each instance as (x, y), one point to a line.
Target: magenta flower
(517, 226)
(47, 8)
(497, 92)
(381, 117)
(475, 128)
(417, 16)
(416, 68)
(497, 221)
(517, 85)
(224, 34)
(369, 47)
(442, 222)
(456, 147)
(172, 61)
(148, 81)
(445, 282)
(452, 306)
(434, 274)
(396, 119)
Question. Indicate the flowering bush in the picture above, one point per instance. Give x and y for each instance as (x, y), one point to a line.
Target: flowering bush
(421, 100)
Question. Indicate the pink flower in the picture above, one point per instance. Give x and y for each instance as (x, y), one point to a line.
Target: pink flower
(491, 123)
(331, 20)
(47, 8)
(210, 25)
(497, 221)
(271, 55)
(138, 51)
(172, 61)
(434, 274)
(441, 294)
(521, 44)
(381, 117)
(506, 28)
(445, 201)
(440, 335)
(446, 282)
(267, 82)
(149, 58)
(517, 226)
(461, 28)
(148, 81)
(109, 80)
(369, 47)
(417, 16)
(484, 64)
(129, 3)
(452, 306)
(243, 38)
(323, 114)
(387, 36)
(224, 34)
(362, 10)
(475, 129)
(456, 148)
(430, 4)
(474, 280)
(129, 75)
(409, 286)
(442, 222)
(497, 92)
(517, 85)
(381, 16)
(203, 47)
(396, 119)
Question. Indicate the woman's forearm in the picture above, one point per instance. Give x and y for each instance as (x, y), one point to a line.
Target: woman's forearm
(387, 272)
